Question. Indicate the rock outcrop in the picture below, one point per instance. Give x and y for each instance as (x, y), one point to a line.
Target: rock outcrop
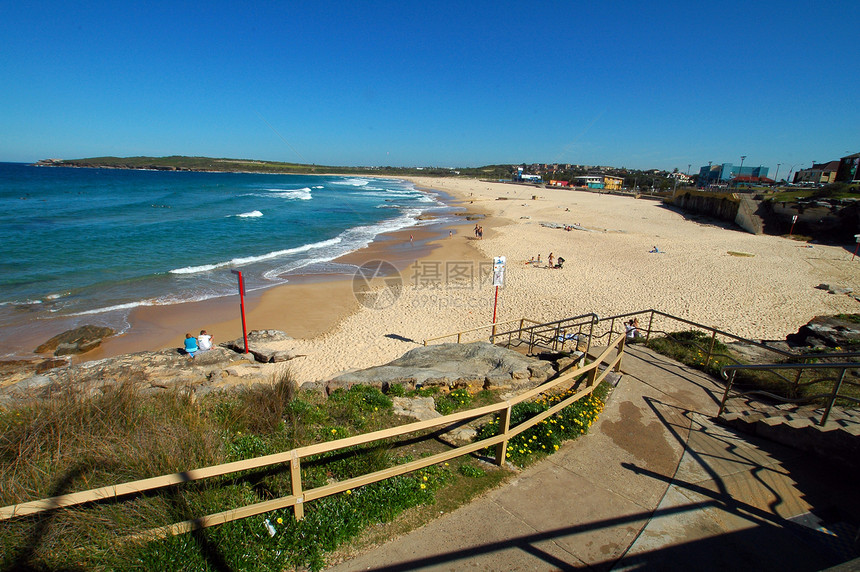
(829, 332)
(480, 365)
(76, 341)
(149, 371)
(262, 345)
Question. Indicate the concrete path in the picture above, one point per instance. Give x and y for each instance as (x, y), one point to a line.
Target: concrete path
(655, 484)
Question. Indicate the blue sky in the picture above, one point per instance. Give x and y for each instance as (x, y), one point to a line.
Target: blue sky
(634, 84)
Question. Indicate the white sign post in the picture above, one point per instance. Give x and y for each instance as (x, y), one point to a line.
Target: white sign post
(791, 231)
(498, 280)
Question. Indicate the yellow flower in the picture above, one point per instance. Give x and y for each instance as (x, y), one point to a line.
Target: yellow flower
(333, 431)
(425, 477)
(555, 447)
(347, 492)
(280, 520)
(423, 486)
(446, 464)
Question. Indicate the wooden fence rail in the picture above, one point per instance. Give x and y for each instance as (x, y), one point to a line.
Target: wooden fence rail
(294, 457)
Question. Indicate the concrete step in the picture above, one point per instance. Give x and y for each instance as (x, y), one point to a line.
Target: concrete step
(797, 426)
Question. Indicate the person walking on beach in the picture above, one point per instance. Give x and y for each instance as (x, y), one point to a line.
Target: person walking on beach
(204, 341)
(476, 230)
(480, 233)
(550, 259)
(191, 345)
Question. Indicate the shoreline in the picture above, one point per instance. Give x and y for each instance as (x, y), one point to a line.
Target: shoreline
(306, 307)
(610, 269)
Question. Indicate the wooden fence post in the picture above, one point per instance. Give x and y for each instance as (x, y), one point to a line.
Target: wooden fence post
(504, 426)
(296, 481)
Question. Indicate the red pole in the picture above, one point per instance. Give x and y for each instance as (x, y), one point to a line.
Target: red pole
(853, 255)
(242, 306)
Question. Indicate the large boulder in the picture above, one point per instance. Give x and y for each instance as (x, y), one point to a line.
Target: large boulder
(76, 341)
(262, 344)
(479, 365)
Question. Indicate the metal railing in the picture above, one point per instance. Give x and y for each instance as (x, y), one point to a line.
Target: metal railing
(729, 373)
(554, 336)
(657, 323)
(661, 323)
(294, 457)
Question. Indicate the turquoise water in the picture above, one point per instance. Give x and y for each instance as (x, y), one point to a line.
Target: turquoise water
(92, 244)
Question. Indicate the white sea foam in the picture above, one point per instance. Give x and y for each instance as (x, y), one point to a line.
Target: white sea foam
(303, 194)
(252, 214)
(350, 240)
(117, 307)
(242, 261)
(352, 182)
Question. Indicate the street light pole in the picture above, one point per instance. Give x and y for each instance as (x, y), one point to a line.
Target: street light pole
(776, 177)
(741, 170)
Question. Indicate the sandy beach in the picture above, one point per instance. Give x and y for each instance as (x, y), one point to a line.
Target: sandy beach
(766, 293)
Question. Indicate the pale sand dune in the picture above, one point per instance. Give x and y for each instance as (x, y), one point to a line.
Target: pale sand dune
(607, 271)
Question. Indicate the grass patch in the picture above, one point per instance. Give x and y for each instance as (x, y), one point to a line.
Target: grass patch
(75, 442)
(690, 347)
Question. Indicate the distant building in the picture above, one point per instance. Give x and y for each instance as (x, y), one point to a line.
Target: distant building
(523, 176)
(821, 173)
(590, 181)
(723, 174)
(751, 181)
(849, 169)
(612, 183)
(599, 182)
(554, 183)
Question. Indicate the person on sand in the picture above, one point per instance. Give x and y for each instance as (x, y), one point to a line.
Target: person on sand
(559, 263)
(480, 233)
(550, 260)
(204, 341)
(191, 345)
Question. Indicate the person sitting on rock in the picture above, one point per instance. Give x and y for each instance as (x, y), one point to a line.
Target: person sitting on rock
(191, 345)
(204, 341)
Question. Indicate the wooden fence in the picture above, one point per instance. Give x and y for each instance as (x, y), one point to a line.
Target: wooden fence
(294, 457)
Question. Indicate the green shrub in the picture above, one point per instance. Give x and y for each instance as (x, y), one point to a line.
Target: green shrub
(471, 471)
(547, 436)
(453, 401)
(396, 390)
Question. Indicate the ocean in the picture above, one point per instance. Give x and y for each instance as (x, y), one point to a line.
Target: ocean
(90, 245)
